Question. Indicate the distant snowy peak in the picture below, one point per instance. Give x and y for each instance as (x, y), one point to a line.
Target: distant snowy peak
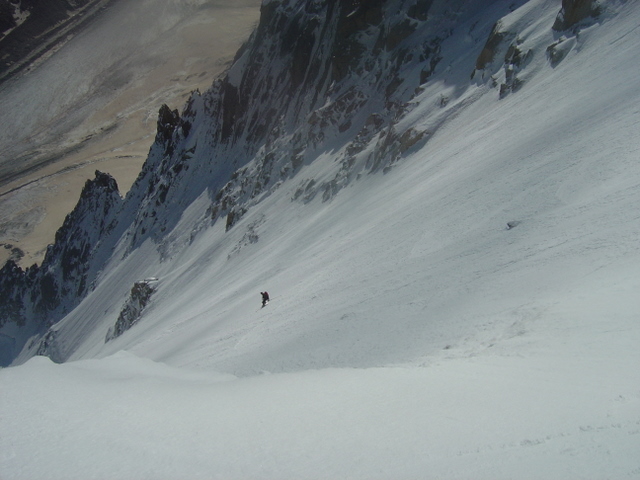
(322, 94)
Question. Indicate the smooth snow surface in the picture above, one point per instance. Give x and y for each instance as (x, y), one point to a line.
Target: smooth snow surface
(411, 333)
(490, 417)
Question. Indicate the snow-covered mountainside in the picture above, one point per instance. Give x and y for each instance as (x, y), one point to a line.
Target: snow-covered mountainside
(321, 95)
(440, 197)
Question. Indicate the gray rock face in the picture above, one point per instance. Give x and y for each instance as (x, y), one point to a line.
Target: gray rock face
(575, 11)
(139, 298)
(41, 295)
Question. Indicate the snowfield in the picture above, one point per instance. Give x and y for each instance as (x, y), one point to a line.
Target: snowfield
(488, 417)
(473, 313)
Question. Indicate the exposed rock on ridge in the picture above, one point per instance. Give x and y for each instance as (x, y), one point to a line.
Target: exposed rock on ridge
(575, 11)
(132, 310)
(40, 295)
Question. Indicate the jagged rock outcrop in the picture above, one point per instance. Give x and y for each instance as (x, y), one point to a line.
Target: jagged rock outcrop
(503, 52)
(43, 294)
(132, 310)
(575, 11)
(311, 72)
(15, 285)
(504, 57)
(68, 261)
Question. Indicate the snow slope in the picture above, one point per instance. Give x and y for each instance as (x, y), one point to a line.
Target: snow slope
(411, 333)
(488, 417)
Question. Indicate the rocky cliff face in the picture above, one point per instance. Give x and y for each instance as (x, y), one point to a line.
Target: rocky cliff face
(317, 80)
(312, 74)
(575, 11)
(37, 297)
(139, 298)
(67, 270)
